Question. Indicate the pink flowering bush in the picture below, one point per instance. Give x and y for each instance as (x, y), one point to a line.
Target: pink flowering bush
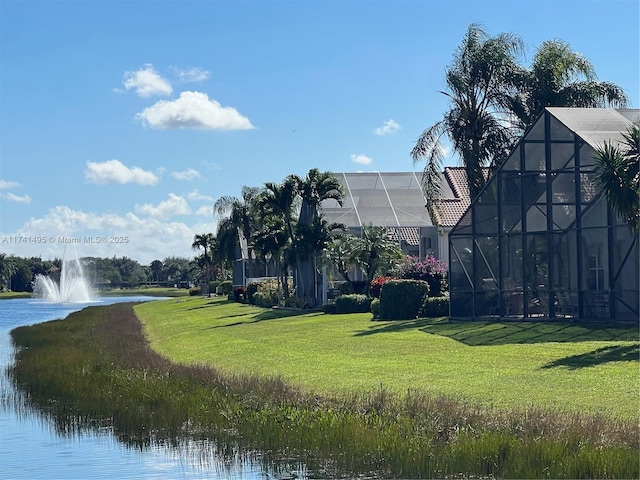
(430, 269)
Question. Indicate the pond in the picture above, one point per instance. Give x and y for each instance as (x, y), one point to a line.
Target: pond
(31, 447)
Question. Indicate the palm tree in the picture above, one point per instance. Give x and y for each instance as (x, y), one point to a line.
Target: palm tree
(226, 244)
(376, 252)
(314, 233)
(272, 242)
(241, 211)
(618, 175)
(278, 205)
(205, 241)
(560, 77)
(480, 85)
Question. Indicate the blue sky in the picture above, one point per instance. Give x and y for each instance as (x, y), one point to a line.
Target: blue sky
(121, 122)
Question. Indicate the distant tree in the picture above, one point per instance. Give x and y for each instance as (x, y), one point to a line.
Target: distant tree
(156, 270)
(7, 269)
(618, 176)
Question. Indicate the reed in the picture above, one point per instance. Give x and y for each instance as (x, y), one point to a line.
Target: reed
(96, 370)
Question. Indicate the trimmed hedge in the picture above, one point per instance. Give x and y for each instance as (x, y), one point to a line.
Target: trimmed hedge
(354, 303)
(435, 307)
(225, 288)
(402, 299)
(375, 308)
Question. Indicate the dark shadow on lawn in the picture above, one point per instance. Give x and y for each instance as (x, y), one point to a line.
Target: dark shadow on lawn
(212, 303)
(261, 317)
(613, 353)
(490, 333)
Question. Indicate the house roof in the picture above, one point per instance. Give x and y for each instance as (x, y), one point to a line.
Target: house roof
(596, 125)
(385, 199)
(396, 200)
(455, 199)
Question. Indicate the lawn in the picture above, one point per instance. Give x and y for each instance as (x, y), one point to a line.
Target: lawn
(587, 369)
(150, 291)
(11, 295)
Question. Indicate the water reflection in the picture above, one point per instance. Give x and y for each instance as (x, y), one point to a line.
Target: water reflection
(34, 444)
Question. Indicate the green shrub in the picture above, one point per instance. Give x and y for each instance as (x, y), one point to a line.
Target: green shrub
(265, 299)
(194, 291)
(225, 288)
(354, 303)
(402, 299)
(329, 308)
(252, 288)
(375, 307)
(435, 307)
(293, 302)
(213, 285)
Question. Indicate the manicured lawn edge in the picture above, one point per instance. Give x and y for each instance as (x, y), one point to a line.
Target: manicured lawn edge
(95, 369)
(579, 369)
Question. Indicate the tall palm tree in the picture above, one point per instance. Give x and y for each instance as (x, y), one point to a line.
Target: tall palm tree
(241, 211)
(226, 243)
(205, 241)
(618, 175)
(278, 205)
(560, 77)
(313, 233)
(480, 85)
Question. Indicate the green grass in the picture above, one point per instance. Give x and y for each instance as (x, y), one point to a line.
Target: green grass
(95, 369)
(582, 369)
(10, 295)
(150, 291)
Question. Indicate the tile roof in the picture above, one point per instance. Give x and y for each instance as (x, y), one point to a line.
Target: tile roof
(410, 235)
(448, 211)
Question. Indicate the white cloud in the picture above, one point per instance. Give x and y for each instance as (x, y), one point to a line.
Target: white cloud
(4, 184)
(174, 205)
(187, 175)
(114, 171)
(147, 82)
(16, 198)
(205, 211)
(191, 74)
(196, 195)
(143, 239)
(389, 126)
(193, 110)
(361, 159)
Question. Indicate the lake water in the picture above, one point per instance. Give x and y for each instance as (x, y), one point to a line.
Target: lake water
(30, 447)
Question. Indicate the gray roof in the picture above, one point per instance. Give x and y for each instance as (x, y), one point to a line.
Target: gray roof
(596, 125)
(385, 199)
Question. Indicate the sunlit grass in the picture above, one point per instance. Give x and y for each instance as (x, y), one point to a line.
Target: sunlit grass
(585, 369)
(95, 369)
(10, 295)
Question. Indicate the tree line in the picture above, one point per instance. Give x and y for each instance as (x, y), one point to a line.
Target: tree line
(18, 273)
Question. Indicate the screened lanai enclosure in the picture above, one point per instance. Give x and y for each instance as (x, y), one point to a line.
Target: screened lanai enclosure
(540, 241)
(385, 199)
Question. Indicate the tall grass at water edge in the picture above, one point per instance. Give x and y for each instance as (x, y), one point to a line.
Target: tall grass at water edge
(94, 369)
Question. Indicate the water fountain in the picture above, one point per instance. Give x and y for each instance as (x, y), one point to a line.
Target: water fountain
(73, 286)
